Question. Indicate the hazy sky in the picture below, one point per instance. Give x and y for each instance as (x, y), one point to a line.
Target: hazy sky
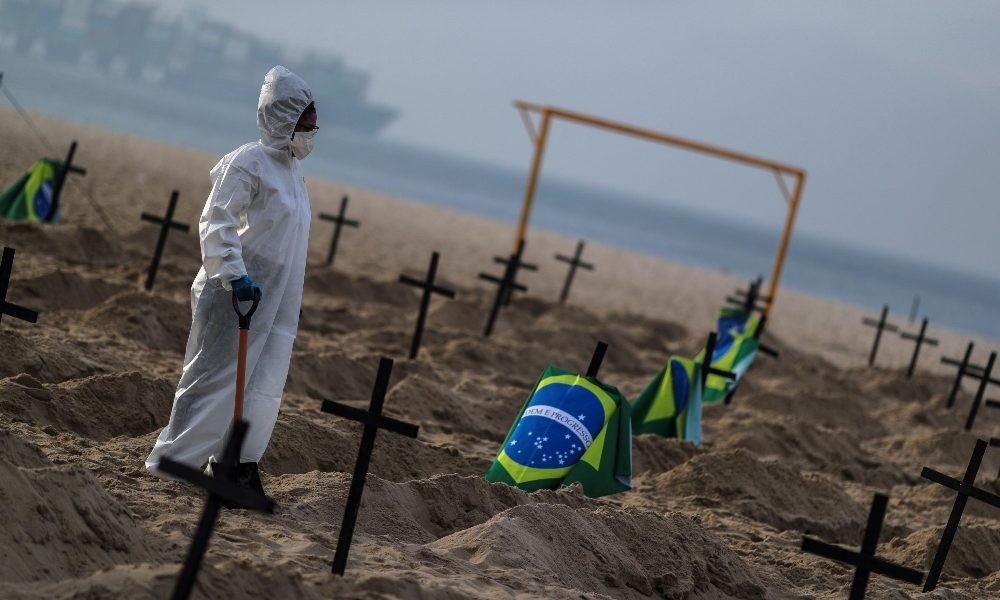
(892, 107)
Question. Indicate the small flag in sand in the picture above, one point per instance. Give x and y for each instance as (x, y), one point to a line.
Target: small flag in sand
(166, 223)
(670, 405)
(572, 428)
(966, 488)
(734, 352)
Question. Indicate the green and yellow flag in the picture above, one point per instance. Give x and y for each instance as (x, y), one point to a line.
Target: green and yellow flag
(571, 429)
(30, 197)
(735, 350)
(671, 404)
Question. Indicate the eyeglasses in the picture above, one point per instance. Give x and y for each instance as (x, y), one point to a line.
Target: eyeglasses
(306, 128)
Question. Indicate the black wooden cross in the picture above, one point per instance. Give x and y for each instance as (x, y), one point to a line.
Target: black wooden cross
(427, 285)
(965, 369)
(865, 561)
(748, 299)
(506, 285)
(597, 359)
(339, 220)
(9, 308)
(220, 490)
(373, 421)
(914, 307)
(962, 366)
(574, 263)
(921, 339)
(985, 379)
(880, 325)
(966, 488)
(166, 223)
(516, 258)
(67, 168)
(762, 347)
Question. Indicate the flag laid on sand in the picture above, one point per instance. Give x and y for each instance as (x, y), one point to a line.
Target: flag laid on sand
(30, 197)
(735, 351)
(571, 429)
(671, 404)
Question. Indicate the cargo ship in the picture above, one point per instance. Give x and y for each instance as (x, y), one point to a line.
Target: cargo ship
(112, 51)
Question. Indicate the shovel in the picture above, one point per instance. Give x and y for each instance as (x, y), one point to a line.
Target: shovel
(244, 474)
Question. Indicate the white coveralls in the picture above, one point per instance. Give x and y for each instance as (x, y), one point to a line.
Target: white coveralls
(256, 223)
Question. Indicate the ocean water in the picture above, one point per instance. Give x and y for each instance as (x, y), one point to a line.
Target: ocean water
(960, 300)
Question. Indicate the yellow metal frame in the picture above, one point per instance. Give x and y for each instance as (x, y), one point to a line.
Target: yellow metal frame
(540, 138)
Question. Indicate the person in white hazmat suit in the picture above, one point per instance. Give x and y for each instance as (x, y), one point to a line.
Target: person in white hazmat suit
(254, 234)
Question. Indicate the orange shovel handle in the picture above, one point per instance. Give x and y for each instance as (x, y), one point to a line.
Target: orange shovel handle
(241, 354)
(241, 374)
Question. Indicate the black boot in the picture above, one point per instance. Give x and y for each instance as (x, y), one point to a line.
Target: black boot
(245, 475)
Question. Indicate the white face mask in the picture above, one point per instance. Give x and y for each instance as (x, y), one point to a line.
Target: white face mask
(302, 143)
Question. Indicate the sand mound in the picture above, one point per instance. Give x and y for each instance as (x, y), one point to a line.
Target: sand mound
(605, 551)
(148, 319)
(433, 404)
(937, 449)
(459, 314)
(333, 446)
(806, 445)
(770, 492)
(51, 356)
(21, 453)
(59, 522)
(412, 512)
(99, 407)
(327, 283)
(73, 244)
(655, 454)
(63, 289)
(975, 552)
(830, 410)
(496, 361)
(921, 388)
(332, 376)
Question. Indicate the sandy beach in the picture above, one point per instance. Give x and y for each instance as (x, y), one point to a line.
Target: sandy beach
(809, 438)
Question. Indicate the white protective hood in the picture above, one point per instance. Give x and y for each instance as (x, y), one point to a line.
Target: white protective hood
(283, 97)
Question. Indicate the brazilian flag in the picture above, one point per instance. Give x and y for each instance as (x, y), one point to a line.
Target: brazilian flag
(735, 350)
(671, 404)
(571, 429)
(30, 197)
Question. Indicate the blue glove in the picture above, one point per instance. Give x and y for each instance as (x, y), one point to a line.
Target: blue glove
(246, 290)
